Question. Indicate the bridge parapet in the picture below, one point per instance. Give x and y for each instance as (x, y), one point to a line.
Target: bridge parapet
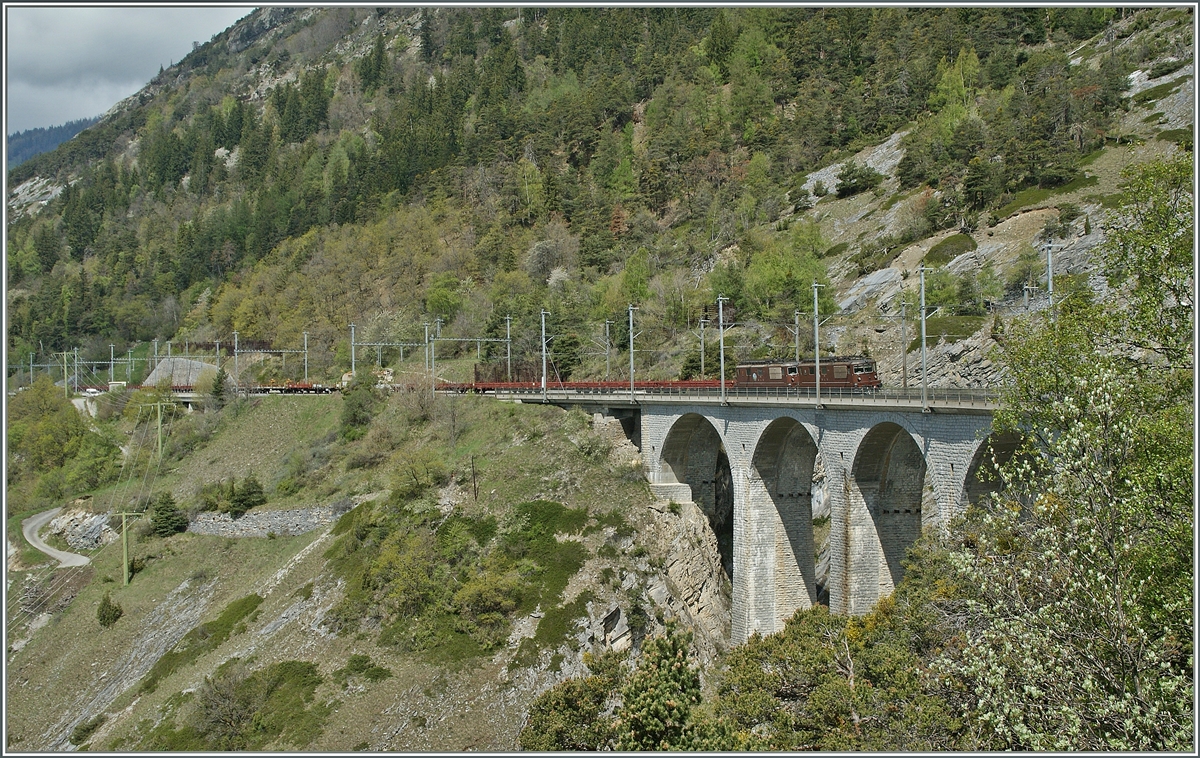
(954, 400)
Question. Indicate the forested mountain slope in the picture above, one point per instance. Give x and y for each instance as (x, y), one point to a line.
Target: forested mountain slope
(468, 164)
(24, 145)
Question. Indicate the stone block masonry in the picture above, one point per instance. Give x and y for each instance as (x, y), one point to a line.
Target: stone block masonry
(283, 523)
(888, 475)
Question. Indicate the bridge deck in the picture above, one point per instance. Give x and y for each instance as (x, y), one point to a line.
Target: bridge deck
(941, 399)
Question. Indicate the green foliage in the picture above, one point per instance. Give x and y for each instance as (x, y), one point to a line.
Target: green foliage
(660, 703)
(854, 179)
(1185, 138)
(166, 518)
(1077, 574)
(779, 280)
(219, 388)
(247, 495)
(1148, 254)
(1025, 270)
(568, 716)
(359, 665)
(232, 497)
(242, 709)
(541, 120)
(1162, 68)
(44, 428)
(83, 732)
(450, 590)
(831, 683)
(418, 468)
(1158, 92)
(658, 698)
(1035, 195)
(949, 249)
(360, 401)
(207, 636)
(109, 612)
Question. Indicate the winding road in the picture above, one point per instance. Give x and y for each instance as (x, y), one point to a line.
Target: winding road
(30, 528)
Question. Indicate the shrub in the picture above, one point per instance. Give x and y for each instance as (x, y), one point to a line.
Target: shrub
(359, 403)
(855, 179)
(360, 665)
(83, 731)
(417, 470)
(245, 496)
(949, 249)
(200, 640)
(108, 613)
(837, 249)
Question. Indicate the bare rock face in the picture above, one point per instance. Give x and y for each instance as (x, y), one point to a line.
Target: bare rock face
(32, 195)
(692, 584)
(82, 529)
(255, 26)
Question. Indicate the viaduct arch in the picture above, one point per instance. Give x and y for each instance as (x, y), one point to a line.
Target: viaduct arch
(812, 505)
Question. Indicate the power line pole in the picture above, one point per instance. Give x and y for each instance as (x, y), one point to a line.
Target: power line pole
(110, 362)
(352, 355)
(125, 544)
(1050, 275)
(508, 343)
(924, 366)
(306, 356)
(159, 405)
(632, 308)
(903, 348)
(433, 366)
(797, 335)
(721, 325)
(607, 349)
(544, 314)
(817, 340)
(426, 324)
(703, 323)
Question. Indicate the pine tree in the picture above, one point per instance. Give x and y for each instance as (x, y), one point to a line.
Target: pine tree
(659, 697)
(218, 387)
(108, 612)
(166, 518)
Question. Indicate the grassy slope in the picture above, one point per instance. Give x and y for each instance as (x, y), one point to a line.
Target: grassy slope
(257, 437)
(520, 452)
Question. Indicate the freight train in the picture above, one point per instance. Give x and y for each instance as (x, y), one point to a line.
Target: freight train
(851, 371)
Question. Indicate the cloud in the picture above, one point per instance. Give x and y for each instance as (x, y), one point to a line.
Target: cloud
(67, 63)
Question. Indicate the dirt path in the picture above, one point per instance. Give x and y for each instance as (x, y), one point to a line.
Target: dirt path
(30, 528)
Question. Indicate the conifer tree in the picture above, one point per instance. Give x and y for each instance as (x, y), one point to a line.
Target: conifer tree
(109, 612)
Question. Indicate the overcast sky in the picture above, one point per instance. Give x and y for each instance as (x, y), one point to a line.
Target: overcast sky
(65, 63)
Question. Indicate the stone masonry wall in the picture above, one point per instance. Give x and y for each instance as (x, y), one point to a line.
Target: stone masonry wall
(858, 567)
(284, 523)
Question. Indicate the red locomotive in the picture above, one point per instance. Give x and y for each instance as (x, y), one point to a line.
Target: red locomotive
(854, 371)
(836, 371)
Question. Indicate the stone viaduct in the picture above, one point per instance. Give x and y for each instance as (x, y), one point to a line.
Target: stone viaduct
(810, 504)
